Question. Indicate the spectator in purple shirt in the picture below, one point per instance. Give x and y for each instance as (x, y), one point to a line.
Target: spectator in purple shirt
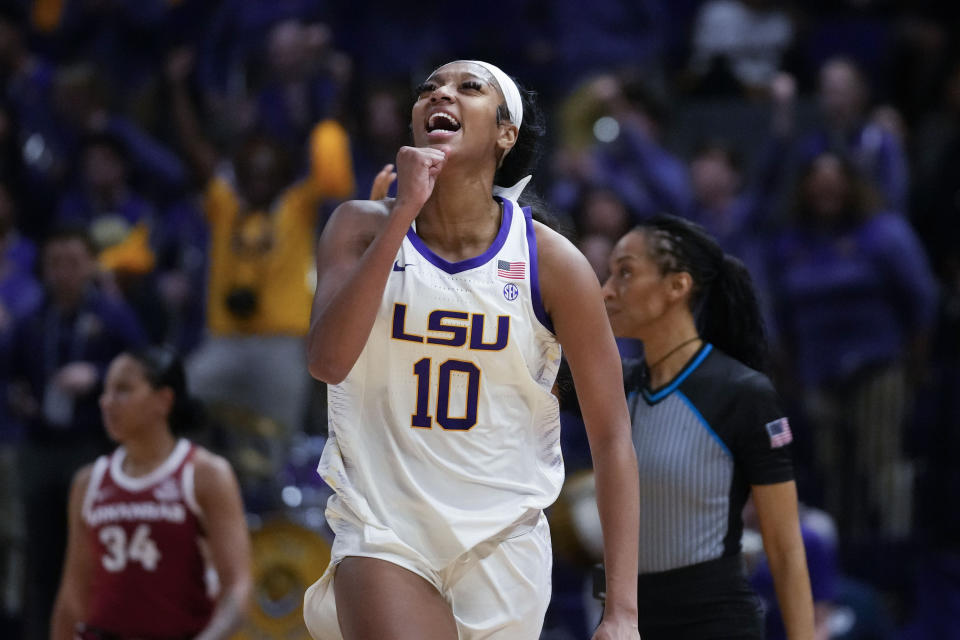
(613, 125)
(122, 225)
(855, 301)
(60, 353)
(848, 131)
(735, 206)
(81, 105)
(599, 219)
(57, 108)
(304, 82)
(231, 41)
(104, 189)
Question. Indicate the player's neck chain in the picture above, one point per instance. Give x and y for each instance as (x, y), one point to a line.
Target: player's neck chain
(672, 351)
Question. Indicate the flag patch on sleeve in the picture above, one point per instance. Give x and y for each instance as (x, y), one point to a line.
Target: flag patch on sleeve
(779, 433)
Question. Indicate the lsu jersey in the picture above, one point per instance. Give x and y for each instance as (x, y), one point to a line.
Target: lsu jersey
(150, 574)
(446, 433)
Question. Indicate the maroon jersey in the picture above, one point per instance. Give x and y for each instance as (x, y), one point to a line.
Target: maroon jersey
(150, 570)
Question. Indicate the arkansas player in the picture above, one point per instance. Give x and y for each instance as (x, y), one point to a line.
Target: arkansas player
(153, 521)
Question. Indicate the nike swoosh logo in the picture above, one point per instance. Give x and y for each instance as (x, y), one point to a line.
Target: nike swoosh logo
(397, 267)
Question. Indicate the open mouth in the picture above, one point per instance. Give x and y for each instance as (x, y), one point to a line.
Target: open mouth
(442, 121)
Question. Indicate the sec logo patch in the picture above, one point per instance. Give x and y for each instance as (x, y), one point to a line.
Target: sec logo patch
(510, 291)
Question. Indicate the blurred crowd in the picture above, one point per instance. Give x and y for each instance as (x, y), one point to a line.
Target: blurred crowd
(166, 166)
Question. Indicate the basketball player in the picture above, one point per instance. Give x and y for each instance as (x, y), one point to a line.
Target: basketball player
(708, 433)
(147, 521)
(437, 322)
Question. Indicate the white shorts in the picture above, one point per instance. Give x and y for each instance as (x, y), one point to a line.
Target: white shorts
(497, 591)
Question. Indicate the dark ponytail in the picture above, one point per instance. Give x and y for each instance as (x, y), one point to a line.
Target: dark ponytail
(526, 151)
(163, 367)
(730, 317)
(523, 157)
(723, 301)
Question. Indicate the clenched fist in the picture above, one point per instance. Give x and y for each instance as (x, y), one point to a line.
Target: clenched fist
(417, 171)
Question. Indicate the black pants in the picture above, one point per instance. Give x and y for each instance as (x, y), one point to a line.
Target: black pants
(707, 601)
(47, 471)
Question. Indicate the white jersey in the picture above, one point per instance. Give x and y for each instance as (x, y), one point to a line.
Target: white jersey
(445, 432)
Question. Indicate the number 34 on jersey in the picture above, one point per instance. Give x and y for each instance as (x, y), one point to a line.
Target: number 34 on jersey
(140, 548)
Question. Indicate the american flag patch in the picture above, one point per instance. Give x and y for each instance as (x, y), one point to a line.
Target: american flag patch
(513, 270)
(779, 432)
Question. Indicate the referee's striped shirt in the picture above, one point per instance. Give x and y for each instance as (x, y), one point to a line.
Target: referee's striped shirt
(701, 441)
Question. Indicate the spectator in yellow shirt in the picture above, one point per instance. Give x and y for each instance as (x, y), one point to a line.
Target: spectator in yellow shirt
(263, 224)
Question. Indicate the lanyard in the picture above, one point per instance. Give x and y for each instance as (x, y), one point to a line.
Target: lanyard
(80, 329)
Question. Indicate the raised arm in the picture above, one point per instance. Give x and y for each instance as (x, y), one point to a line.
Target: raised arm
(151, 156)
(354, 259)
(572, 298)
(202, 155)
(661, 172)
(770, 168)
(218, 496)
(70, 607)
(382, 182)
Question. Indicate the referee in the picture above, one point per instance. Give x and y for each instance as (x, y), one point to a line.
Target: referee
(708, 434)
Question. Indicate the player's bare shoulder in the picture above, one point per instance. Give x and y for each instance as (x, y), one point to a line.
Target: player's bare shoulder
(355, 223)
(563, 269)
(362, 213)
(207, 463)
(82, 478)
(551, 244)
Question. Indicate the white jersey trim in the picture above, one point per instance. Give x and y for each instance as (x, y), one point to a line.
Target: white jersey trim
(96, 478)
(189, 489)
(536, 297)
(140, 483)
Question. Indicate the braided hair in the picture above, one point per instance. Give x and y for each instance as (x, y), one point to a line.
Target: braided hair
(723, 301)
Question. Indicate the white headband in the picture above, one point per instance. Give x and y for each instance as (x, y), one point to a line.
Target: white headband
(508, 88)
(515, 108)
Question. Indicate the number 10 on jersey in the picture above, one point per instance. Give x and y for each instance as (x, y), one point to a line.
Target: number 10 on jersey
(444, 374)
